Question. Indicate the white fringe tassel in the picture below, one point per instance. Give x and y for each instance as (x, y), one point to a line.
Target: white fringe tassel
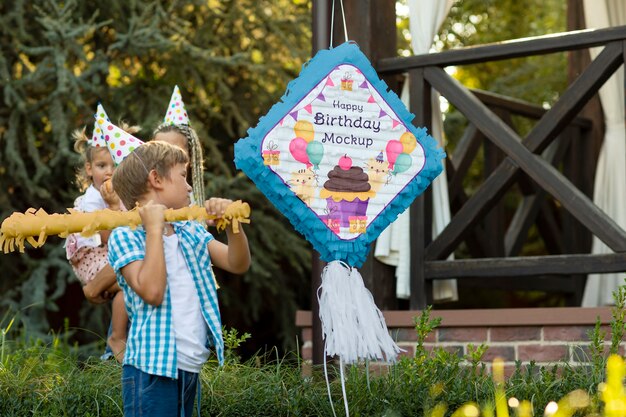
(353, 327)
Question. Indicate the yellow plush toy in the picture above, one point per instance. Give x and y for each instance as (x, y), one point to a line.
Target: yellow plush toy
(34, 226)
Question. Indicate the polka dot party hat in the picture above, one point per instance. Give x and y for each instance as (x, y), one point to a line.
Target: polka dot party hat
(176, 113)
(97, 139)
(120, 143)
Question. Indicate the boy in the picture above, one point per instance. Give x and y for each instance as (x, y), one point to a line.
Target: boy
(165, 273)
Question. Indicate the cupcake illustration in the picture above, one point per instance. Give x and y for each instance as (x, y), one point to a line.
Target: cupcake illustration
(347, 192)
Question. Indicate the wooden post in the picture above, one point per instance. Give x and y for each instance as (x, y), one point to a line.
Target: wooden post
(321, 40)
(420, 216)
(372, 25)
(580, 165)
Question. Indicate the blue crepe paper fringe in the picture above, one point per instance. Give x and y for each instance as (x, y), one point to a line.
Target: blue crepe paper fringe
(248, 158)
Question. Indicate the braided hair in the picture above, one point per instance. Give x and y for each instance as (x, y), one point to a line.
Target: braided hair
(196, 160)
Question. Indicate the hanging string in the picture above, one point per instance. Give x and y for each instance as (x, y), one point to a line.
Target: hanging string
(332, 22)
(352, 326)
(343, 387)
(330, 398)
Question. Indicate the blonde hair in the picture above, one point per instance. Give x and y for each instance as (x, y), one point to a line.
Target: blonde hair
(130, 179)
(87, 152)
(194, 150)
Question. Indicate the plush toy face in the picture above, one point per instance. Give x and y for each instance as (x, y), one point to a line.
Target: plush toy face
(339, 156)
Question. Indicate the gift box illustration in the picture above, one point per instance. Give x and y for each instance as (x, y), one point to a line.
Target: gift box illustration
(271, 154)
(357, 224)
(346, 81)
(334, 225)
(331, 219)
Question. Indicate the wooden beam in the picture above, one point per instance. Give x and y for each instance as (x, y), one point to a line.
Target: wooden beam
(624, 60)
(420, 225)
(521, 107)
(579, 165)
(533, 165)
(521, 223)
(526, 266)
(371, 24)
(418, 299)
(575, 97)
(321, 39)
(540, 45)
(493, 221)
(548, 227)
(470, 214)
(462, 158)
(475, 239)
(562, 284)
(495, 186)
(534, 197)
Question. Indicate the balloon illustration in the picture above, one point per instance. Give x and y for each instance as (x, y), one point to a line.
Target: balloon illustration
(394, 148)
(408, 142)
(315, 152)
(297, 147)
(403, 162)
(304, 129)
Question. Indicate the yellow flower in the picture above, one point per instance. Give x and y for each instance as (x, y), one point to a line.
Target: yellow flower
(613, 390)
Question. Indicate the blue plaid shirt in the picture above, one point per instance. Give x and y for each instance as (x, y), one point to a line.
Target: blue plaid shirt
(151, 345)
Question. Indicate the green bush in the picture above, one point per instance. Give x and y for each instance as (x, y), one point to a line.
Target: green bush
(54, 380)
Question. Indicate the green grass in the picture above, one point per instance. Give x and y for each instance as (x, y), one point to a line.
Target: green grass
(56, 379)
(50, 381)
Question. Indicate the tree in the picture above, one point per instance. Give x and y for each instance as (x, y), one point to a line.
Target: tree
(476, 22)
(232, 61)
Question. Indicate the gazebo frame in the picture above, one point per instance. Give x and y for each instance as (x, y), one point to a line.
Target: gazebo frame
(556, 186)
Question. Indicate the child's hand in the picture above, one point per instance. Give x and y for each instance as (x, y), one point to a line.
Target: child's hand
(217, 207)
(109, 195)
(95, 297)
(153, 217)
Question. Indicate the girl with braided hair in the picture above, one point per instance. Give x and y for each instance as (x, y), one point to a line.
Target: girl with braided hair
(176, 130)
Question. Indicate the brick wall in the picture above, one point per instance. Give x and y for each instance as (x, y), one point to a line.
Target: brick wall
(545, 335)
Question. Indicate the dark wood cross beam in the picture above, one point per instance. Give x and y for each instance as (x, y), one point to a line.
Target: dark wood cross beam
(526, 266)
(539, 45)
(523, 163)
(521, 154)
(534, 208)
(533, 203)
(461, 161)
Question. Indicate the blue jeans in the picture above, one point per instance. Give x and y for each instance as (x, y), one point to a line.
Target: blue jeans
(146, 395)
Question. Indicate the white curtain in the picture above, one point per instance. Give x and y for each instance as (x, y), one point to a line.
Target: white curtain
(393, 246)
(610, 181)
